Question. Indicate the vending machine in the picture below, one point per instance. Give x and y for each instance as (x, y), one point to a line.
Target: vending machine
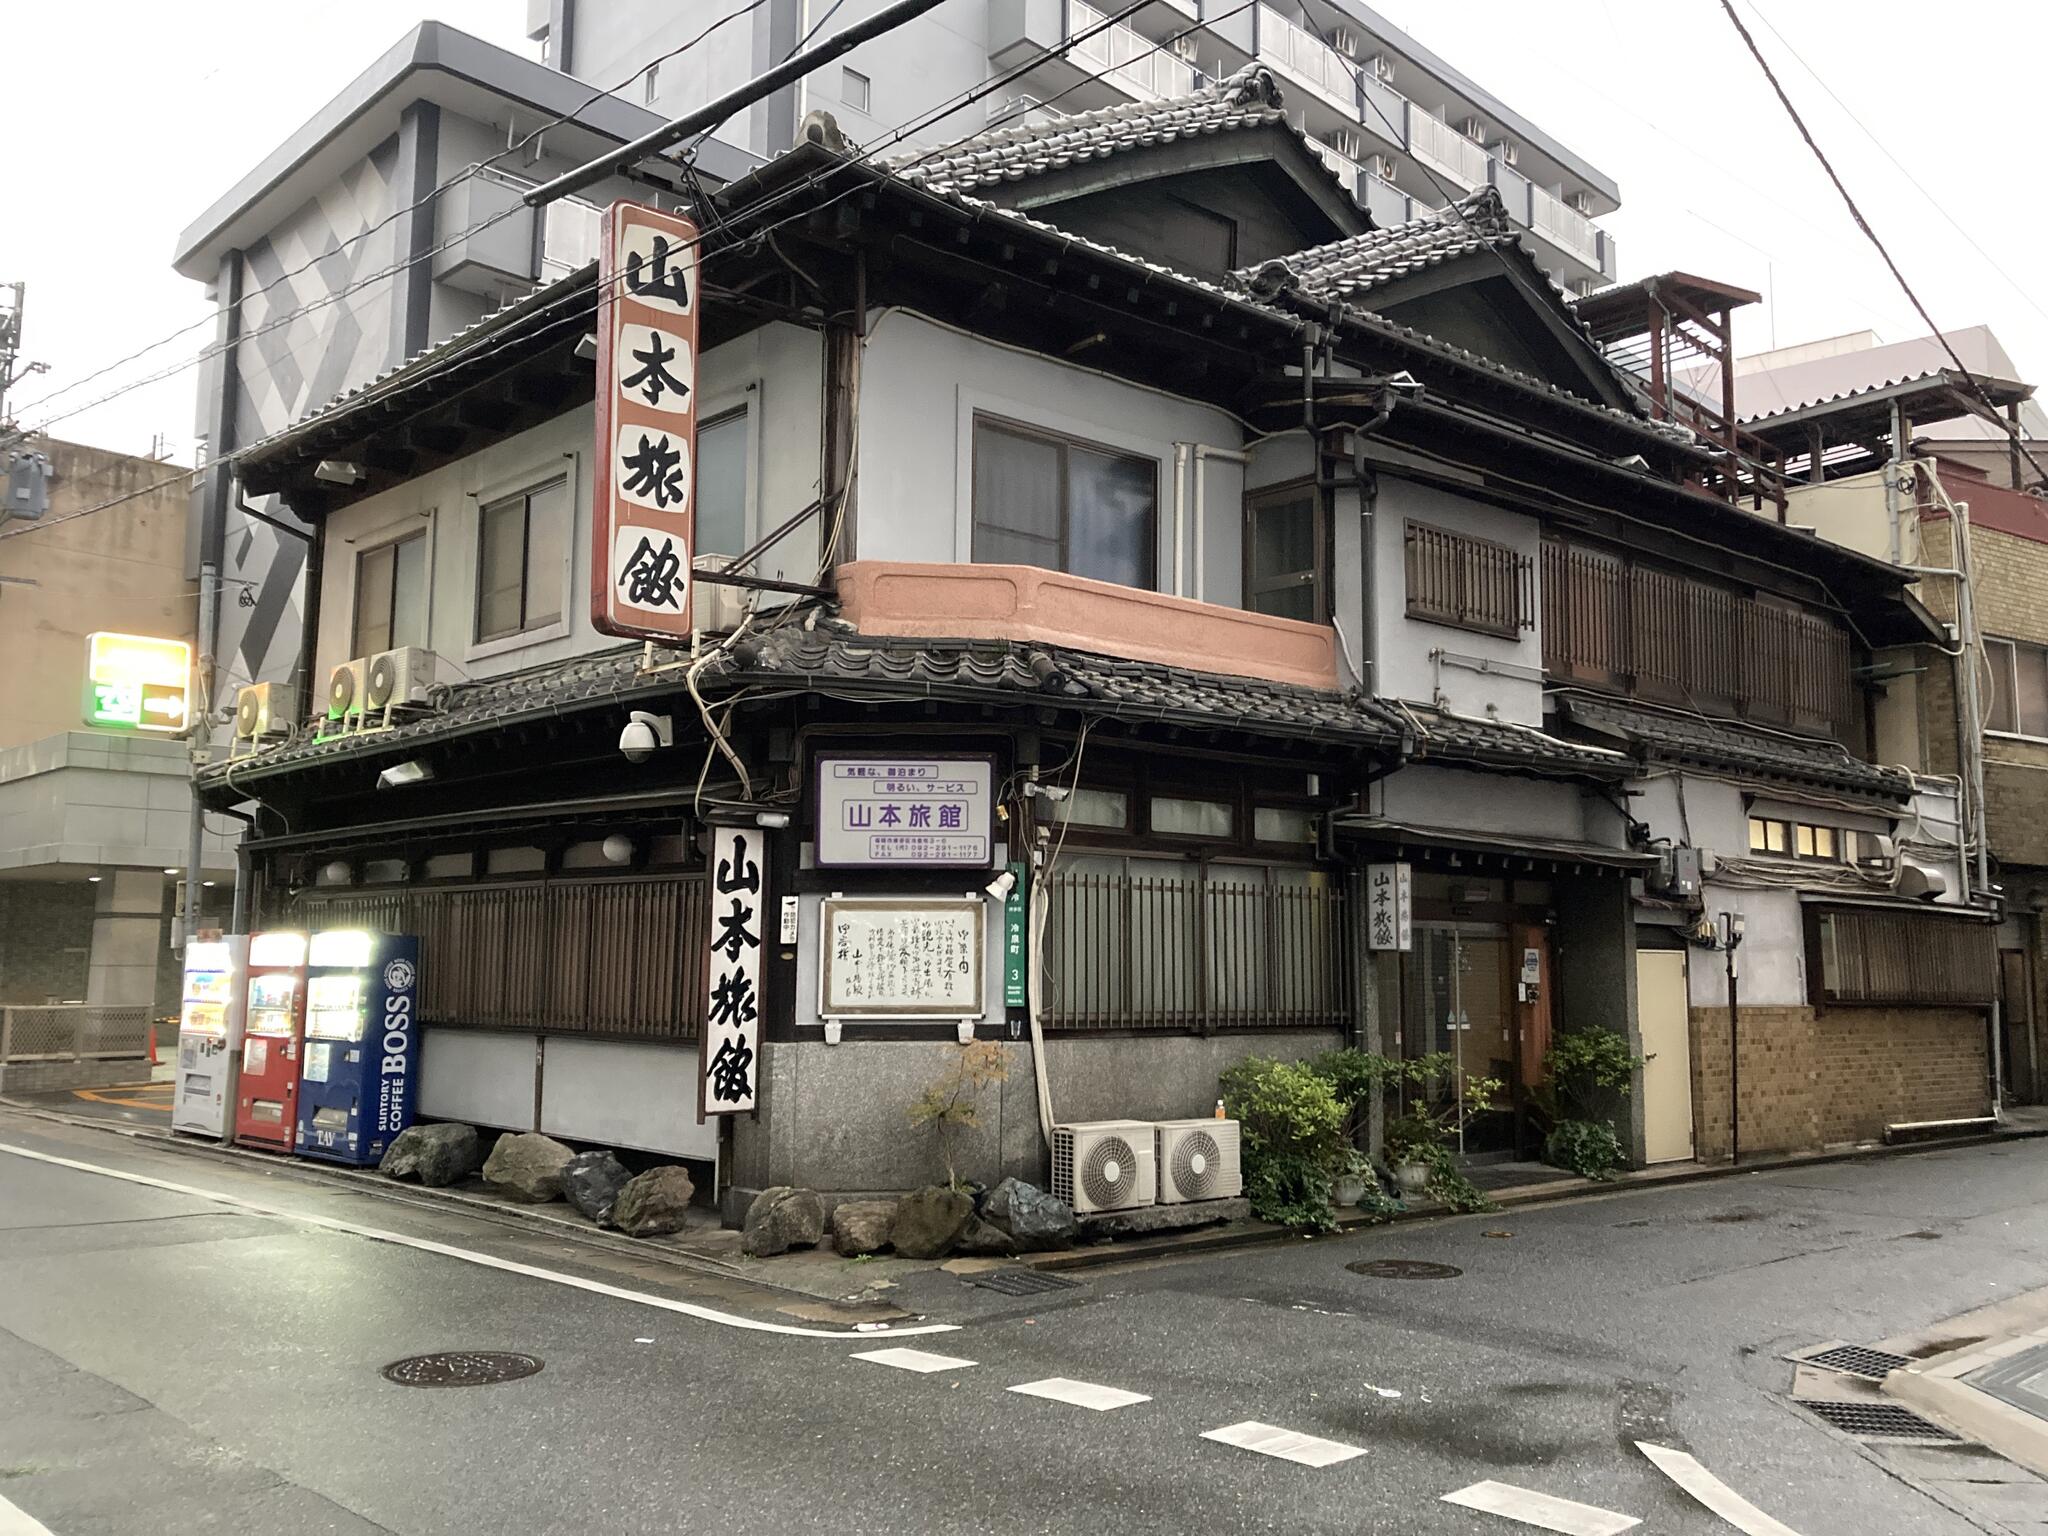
(356, 1089)
(209, 1034)
(267, 1100)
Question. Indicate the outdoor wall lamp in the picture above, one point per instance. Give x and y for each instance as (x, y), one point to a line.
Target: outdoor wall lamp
(398, 775)
(1001, 886)
(338, 471)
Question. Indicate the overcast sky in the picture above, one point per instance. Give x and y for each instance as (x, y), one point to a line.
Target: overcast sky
(136, 115)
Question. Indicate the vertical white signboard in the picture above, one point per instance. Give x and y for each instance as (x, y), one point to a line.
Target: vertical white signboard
(731, 1042)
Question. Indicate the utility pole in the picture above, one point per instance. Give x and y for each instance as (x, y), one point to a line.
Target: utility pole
(10, 349)
(1728, 939)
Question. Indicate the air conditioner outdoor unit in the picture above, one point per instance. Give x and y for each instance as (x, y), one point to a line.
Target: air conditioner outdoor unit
(396, 677)
(1472, 128)
(346, 686)
(1381, 166)
(1345, 41)
(1382, 68)
(1198, 1161)
(1506, 151)
(263, 710)
(1105, 1165)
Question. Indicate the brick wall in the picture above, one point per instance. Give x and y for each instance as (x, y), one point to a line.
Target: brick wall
(1831, 1079)
(45, 937)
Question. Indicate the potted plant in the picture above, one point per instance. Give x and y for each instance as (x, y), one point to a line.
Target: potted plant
(1419, 1140)
(1357, 1078)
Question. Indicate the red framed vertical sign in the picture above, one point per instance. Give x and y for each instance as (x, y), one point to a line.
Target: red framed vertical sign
(644, 480)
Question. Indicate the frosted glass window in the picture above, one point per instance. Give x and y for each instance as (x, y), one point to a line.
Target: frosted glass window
(722, 484)
(1191, 818)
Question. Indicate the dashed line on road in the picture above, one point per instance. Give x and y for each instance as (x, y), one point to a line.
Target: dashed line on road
(919, 1360)
(1287, 1444)
(471, 1256)
(1545, 1511)
(1082, 1394)
(16, 1521)
(1709, 1490)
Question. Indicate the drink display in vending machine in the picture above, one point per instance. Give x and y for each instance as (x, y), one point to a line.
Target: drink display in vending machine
(356, 1089)
(267, 1100)
(209, 1034)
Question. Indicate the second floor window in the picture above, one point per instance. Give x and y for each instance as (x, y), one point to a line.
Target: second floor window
(2019, 687)
(1469, 583)
(391, 596)
(522, 559)
(1063, 504)
(722, 484)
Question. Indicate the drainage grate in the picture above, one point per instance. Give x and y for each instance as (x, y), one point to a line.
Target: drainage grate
(1023, 1282)
(1404, 1269)
(460, 1368)
(1878, 1421)
(1855, 1360)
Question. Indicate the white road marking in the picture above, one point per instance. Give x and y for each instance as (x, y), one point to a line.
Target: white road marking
(1271, 1440)
(1082, 1394)
(467, 1255)
(914, 1360)
(1724, 1501)
(1542, 1510)
(15, 1521)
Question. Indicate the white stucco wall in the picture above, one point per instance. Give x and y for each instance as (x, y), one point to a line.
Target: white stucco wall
(922, 385)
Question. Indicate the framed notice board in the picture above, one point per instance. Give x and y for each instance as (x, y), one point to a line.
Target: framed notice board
(901, 957)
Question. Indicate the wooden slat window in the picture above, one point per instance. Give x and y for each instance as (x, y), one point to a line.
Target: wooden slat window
(1469, 583)
(1902, 959)
(621, 957)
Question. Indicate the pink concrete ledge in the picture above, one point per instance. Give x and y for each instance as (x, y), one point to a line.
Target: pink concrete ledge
(1022, 602)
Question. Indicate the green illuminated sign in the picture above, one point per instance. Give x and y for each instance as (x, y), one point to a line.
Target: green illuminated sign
(137, 683)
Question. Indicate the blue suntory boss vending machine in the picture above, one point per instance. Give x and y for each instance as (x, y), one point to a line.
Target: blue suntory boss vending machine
(209, 1035)
(356, 1089)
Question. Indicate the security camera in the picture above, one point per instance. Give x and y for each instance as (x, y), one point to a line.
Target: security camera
(644, 734)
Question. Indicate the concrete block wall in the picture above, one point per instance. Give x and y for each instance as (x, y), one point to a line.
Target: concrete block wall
(45, 940)
(1814, 1080)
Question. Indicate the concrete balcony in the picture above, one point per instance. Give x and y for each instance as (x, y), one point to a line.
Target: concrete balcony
(1024, 603)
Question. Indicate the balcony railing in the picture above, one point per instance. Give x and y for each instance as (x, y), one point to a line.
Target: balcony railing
(1563, 225)
(568, 237)
(1348, 170)
(1442, 148)
(1307, 58)
(1126, 58)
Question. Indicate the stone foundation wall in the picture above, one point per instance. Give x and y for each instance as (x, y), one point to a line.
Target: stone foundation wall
(1813, 1080)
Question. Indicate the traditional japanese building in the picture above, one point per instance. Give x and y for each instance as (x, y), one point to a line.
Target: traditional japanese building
(1189, 584)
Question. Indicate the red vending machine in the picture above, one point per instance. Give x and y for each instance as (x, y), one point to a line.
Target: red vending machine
(267, 1106)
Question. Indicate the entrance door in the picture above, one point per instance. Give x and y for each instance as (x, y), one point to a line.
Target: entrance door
(1458, 1001)
(1665, 1016)
(2016, 1032)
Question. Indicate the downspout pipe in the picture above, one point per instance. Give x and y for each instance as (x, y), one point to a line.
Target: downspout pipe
(199, 735)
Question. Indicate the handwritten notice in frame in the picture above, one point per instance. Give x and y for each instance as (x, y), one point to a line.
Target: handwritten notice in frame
(909, 957)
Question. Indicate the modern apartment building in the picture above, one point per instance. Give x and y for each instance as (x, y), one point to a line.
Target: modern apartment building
(1404, 130)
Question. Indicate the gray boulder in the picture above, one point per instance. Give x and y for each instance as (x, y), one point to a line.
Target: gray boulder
(929, 1221)
(862, 1226)
(655, 1203)
(986, 1238)
(591, 1183)
(782, 1218)
(528, 1166)
(1037, 1221)
(436, 1155)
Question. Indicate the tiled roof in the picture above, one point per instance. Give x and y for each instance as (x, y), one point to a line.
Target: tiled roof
(1351, 268)
(1667, 736)
(1251, 98)
(828, 656)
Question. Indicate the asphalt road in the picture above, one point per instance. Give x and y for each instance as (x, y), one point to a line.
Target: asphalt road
(171, 1363)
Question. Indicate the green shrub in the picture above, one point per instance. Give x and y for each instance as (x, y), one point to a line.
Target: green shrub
(1292, 1132)
(1588, 1148)
(1591, 1072)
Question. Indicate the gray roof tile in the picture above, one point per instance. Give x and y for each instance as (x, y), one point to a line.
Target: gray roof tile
(1666, 735)
(1353, 267)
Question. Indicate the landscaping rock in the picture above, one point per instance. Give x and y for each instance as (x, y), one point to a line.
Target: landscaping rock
(862, 1226)
(655, 1203)
(985, 1237)
(528, 1166)
(436, 1155)
(782, 1218)
(591, 1183)
(929, 1221)
(1036, 1221)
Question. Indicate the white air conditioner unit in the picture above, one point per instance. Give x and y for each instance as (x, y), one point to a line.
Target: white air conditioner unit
(1346, 142)
(1473, 128)
(1345, 41)
(346, 686)
(264, 710)
(1382, 68)
(1381, 166)
(1198, 1161)
(1506, 151)
(1105, 1165)
(715, 607)
(396, 677)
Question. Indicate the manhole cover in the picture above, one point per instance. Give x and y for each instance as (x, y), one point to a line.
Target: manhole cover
(460, 1368)
(1878, 1421)
(1854, 1360)
(1023, 1282)
(1404, 1269)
